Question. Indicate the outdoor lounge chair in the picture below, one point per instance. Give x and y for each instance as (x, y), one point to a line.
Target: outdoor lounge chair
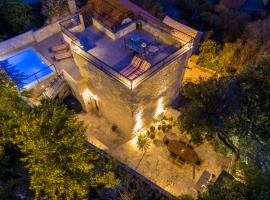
(132, 67)
(139, 71)
(144, 66)
(62, 56)
(134, 75)
(60, 47)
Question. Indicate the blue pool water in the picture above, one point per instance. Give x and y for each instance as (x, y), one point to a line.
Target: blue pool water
(25, 67)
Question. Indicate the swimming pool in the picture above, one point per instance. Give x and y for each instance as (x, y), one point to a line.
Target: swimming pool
(26, 68)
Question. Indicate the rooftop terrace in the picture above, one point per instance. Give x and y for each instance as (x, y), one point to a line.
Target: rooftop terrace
(111, 46)
(115, 53)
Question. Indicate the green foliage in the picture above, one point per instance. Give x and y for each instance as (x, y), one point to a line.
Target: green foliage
(59, 162)
(10, 102)
(232, 58)
(237, 105)
(54, 8)
(237, 108)
(13, 175)
(164, 123)
(143, 142)
(17, 14)
(209, 55)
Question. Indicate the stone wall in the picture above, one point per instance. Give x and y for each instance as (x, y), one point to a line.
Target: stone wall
(160, 90)
(111, 34)
(16, 42)
(123, 106)
(114, 98)
(47, 31)
(28, 38)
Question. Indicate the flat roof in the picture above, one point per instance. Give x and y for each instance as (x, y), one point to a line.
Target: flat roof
(115, 53)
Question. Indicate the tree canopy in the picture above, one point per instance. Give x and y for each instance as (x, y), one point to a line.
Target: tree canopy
(15, 14)
(235, 109)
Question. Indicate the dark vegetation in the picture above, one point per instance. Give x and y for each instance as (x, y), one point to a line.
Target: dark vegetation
(17, 17)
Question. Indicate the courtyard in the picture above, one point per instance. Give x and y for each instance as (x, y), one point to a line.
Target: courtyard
(156, 165)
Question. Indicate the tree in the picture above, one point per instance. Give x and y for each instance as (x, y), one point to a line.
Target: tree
(232, 58)
(54, 8)
(235, 109)
(13, 174)
(143, 144)
(59, 162)
(209, 55)
(17, 14)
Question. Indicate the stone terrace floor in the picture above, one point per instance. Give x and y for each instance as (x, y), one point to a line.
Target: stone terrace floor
(114, 53)
(156, 166)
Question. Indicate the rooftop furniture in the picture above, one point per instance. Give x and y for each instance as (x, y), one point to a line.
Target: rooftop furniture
(203, 181)
(136, 38)
(152, 49)
(60, 47)
(183, 151)
(137, 44)
(135, 47)
(62, 56)
(145, 65)
(132, 67)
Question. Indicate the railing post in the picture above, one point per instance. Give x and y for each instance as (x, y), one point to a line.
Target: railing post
(36, 78)
(55, 69)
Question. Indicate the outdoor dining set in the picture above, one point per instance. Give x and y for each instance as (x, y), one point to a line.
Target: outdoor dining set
(140, 46)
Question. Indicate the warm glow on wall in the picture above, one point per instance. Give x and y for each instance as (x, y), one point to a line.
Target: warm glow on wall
(87, 94)
(160, 107)
(139, 123)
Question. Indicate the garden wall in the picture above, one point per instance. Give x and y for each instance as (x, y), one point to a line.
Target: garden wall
(28, 38)
(46, 31)
(16, 42)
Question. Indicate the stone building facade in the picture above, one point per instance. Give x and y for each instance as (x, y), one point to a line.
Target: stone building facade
(130, 109)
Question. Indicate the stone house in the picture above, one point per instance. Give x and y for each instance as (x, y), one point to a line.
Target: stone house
(131, 63)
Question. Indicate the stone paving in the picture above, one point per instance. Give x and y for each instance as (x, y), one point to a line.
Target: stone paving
(156, 165)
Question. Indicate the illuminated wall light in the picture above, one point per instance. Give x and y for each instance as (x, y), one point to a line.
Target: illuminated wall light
(87, 94)
(139, 123)
(160, 107)
(75, 48)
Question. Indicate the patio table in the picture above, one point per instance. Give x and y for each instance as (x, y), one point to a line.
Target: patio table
(153, 49)
(135, 47)
(183, 151)
(135, 38)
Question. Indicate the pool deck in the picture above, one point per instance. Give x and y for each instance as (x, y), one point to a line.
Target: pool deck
(43, 49)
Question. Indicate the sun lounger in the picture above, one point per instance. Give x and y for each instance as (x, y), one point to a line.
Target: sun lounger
(144, 66)
(134, 75)
(60, 47)
(132, 67)
(61, 56)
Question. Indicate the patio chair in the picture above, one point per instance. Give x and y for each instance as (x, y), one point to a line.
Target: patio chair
(62, 56)
(60, 47)
(144, 66)
(132, 67)
(134, 75)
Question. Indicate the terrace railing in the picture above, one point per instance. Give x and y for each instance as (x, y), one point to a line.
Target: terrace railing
(79, 49)
(36, 77)
(99, 64)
